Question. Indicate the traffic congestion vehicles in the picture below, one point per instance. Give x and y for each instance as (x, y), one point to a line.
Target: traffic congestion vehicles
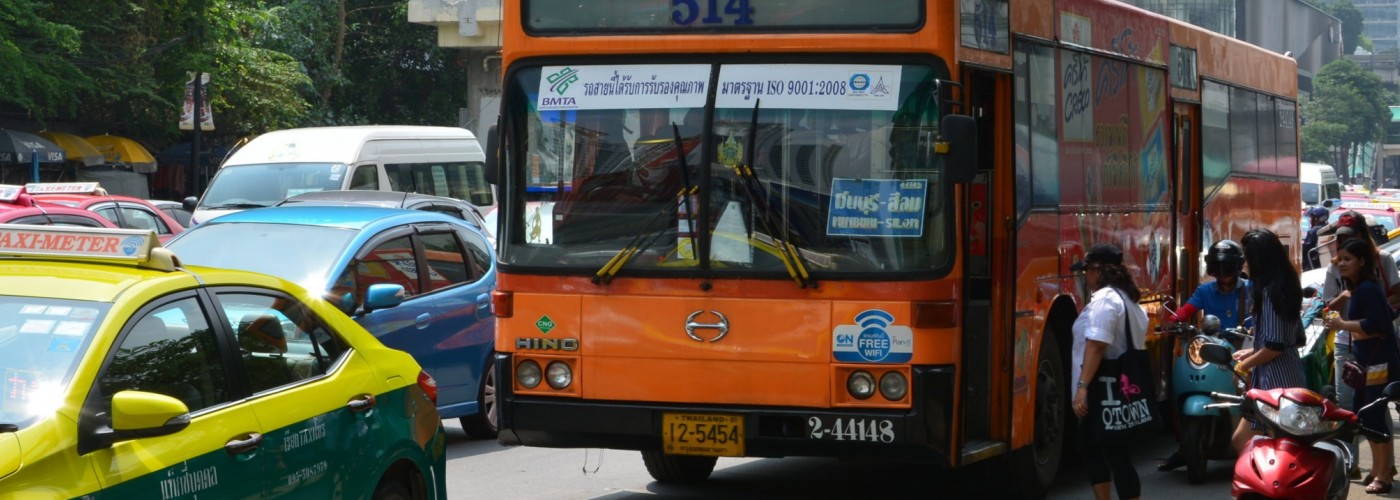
(757, 228)
(124, 211)
(442, 161)
(129, 375)
(1318, 183)
(18, 207)
(444, 319)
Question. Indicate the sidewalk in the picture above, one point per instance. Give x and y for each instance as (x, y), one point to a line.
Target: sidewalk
(1357, 489)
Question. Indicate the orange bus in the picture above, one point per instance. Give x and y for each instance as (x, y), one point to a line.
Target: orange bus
(771, 228)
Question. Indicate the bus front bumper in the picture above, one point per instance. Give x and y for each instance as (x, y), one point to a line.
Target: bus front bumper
(922, 432)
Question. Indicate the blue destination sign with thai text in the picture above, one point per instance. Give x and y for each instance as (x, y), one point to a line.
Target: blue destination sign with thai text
(891, 208)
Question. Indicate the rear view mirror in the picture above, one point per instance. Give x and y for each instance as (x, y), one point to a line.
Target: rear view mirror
(1210, 323)
(957, 144)
(383, 296)
(189, 203)
(1216, 354)
(493, 157)
(1392, 391)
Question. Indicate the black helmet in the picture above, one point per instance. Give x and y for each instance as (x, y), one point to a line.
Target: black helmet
(1224, 258)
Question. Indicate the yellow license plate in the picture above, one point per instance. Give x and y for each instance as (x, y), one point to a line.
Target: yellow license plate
(703, 434)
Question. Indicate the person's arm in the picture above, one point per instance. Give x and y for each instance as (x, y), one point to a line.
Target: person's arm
(1268, 340)
(1373, 312)
(1093, 355)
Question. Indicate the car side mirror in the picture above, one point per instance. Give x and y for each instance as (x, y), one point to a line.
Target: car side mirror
(189, 203)
(148, 414)
(957, 144)
(493, 156)
(383, 296)
(1216, 354)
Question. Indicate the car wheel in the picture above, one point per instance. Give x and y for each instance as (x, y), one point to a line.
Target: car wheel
(390, 488)
(485, 424)
(678, 468)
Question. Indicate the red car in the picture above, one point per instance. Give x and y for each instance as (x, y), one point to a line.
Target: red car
(17, 207)
(124, 211)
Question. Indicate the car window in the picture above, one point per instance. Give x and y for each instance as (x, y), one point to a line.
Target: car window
(447, 264)
(179, 214)
(139, 217)
(389, 262)
(169, 350)
(366, 178)
(279, 341)
(108, 212)
(57, 220)
(480, 252)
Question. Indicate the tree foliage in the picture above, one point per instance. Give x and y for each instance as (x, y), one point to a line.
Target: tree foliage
(1349, 107)
(120, 66)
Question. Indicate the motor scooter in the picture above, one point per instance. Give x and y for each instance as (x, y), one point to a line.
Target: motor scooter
(1205, 432)
(1303, 455)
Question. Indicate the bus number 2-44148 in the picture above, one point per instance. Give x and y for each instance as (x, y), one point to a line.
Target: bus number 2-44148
(684, 12)
(852, 429)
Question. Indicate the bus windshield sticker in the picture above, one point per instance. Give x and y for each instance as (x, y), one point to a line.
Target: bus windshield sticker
(623, 87)
(890, 208)
(810, 86)
(873, 339)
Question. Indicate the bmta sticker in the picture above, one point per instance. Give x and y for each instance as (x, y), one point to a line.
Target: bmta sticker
(873, 339)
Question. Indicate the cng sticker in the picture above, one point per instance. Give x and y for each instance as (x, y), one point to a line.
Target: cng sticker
(873, 339)
(545, 324)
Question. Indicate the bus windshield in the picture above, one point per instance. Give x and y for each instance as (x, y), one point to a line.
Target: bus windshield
(649, 162)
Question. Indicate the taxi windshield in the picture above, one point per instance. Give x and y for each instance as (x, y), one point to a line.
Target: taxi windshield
(298, 253)
(254, 186)
(41, 342)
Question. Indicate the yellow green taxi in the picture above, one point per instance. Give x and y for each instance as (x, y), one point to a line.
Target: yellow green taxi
(127, 375)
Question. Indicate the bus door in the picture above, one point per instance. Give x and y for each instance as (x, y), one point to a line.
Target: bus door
(1188, 194)
(984, 428)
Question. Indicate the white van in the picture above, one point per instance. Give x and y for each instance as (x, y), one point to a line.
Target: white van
(440, 161)
(1319, 183)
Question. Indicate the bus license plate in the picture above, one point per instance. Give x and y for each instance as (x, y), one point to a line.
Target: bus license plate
(871, 430)
(703, 434)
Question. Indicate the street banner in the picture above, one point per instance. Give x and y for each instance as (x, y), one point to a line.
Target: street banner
(206, 114)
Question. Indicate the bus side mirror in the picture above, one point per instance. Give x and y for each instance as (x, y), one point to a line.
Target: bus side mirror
(957, 144)
(493, 158)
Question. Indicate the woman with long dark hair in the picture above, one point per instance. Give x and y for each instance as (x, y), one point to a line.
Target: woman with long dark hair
(1368, 319)
(1277, 300)
(1110, 320)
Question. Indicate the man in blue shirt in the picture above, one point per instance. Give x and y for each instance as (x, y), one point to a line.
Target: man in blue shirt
(1317, 218)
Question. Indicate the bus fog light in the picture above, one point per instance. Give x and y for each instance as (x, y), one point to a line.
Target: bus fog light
(861, 385)
(893, 386)
(527, 373)
(559, 375)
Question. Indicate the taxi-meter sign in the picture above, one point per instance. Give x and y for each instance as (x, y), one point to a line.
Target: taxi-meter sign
(122, 244)
(61, 187)
(10, 193)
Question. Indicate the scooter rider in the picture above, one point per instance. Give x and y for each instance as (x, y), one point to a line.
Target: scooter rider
(1226, 298)
(1317, 218)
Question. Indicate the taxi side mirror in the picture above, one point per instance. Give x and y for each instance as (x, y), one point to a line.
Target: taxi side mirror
(189, 203)
(134, 415)
(383, 296)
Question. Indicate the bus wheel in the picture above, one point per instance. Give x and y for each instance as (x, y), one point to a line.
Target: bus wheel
(1036, 465)
(678, 468)
(484, 425)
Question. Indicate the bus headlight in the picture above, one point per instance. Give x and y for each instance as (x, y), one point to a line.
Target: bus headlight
(861, 385)
(527, 373)
(559, 375)
(893, 386)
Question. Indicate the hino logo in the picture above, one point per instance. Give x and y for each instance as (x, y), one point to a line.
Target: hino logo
(537, 344)
(691, 326)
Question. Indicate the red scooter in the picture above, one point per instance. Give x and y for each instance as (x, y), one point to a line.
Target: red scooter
(1303, 457)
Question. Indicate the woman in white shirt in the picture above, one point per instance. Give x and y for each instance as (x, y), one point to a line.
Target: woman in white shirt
(1098, 335)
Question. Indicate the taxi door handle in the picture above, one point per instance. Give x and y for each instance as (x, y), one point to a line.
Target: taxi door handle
(422, 320)
(361, 403)
(244, 444)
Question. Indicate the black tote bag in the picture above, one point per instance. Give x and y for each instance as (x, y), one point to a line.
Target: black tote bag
(1121, 406)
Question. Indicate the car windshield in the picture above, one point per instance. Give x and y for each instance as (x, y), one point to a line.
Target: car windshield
(298, 253)
(41, 342)
(836, 159)
(253, 186)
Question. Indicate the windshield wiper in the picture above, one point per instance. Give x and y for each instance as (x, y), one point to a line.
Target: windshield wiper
(780, 233)
(235, 205)
(643, 241)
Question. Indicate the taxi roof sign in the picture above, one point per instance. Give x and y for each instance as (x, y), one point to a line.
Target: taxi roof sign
(10, 193)
(1368, 206)
(62, 187)
(86, 244)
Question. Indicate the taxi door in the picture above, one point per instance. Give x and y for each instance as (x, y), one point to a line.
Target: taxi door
(313, 394)
(169, 348)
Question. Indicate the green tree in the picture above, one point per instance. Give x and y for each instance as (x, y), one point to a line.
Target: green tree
(1348, 109)
(39, 56)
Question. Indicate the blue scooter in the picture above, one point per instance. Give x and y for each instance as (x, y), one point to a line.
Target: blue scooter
(1205, 432)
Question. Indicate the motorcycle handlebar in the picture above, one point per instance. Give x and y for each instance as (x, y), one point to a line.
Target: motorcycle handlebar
(1220, 396)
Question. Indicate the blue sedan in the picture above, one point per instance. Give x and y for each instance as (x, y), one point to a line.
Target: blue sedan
(360, 255)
